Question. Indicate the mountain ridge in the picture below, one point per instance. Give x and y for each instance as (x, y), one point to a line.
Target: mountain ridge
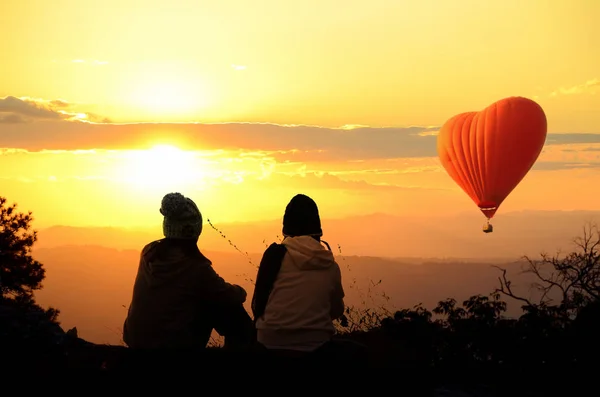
(516, 234)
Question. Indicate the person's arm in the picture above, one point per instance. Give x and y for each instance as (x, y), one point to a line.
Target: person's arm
(337, 295)
(269, 267)
(217, 290)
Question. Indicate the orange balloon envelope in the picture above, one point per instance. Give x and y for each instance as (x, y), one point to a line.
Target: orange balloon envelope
(488, 153)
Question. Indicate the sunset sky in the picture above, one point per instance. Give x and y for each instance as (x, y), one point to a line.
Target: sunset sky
(245, 103)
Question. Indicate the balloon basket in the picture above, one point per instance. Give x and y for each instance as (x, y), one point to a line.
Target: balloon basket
(488, 228)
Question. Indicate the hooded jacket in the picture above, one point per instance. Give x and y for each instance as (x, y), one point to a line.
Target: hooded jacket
(177, 298)
(305, 298)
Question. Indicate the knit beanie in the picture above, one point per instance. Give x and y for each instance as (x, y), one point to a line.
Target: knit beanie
(301, 217)
(182, 218)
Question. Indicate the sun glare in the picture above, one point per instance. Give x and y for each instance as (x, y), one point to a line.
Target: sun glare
(162, 167)
(166, 97)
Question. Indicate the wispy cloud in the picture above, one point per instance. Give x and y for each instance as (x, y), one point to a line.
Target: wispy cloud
(229, 168)
(571, 138)
(590, 86)
(238, 67)
(36, 124)
(15, 110)
(560, 165)
(324, 180)
(18, 110)
(209, 168)
(283, 143)
(429, 133)
(292, 142)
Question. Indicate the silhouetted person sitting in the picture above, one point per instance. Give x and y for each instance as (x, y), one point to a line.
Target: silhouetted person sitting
(178, 298)
(298, 291)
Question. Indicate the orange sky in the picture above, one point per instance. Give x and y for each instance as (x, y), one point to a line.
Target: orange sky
(80, 84)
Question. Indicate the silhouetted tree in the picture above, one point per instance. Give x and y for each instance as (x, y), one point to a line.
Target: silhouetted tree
(561, 324)
(22, 321)
(20, 274)
(574, 277)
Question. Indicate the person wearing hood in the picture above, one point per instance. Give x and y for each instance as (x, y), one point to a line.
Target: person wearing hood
(178, 298)
(298, 291)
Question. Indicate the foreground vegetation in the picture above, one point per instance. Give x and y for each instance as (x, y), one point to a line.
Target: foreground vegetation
(456, 342)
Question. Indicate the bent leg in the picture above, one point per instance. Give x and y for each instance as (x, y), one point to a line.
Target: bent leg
(234, 323)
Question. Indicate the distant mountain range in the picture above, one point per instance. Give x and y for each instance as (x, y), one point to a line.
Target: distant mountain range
(90, 271)
(92, 285)
(382, 235)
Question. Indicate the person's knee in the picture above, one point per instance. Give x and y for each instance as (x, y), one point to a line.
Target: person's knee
(233, 321)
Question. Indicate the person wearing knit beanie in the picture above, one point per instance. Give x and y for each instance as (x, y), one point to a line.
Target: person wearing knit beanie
(178, 298)
(182, 218)
(301, 218)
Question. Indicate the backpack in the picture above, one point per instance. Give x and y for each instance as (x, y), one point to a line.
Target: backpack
(268, 270)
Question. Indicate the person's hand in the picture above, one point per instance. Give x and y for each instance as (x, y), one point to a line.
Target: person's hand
(243, 292)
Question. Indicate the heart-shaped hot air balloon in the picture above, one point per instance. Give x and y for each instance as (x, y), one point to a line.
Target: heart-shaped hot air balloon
(488, 153)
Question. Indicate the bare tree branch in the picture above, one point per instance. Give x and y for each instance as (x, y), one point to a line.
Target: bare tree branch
(505, 287)
(574, 276)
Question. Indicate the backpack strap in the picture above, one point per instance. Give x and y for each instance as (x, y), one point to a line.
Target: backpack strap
(268, 270)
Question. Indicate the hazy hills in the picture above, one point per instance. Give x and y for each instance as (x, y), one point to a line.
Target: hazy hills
(90, 271)
(91, 285)
(515, 234)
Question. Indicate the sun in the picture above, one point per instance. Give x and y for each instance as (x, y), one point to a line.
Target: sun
(162, 167)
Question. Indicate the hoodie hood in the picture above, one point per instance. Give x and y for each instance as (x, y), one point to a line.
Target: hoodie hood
(168, 259)
(308, 253)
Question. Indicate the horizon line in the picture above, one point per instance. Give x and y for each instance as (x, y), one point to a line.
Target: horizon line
(456, 259)
(207, 221)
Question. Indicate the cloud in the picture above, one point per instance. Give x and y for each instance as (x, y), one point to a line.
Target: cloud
(561, 165)
(295, 143)
(29, 108)
(587, 149)
(238, 67)
(590, 86)
(56, 103)
(291, 143)
(571, 138)
(298, 181)
(11, 118)
(58, 126)
(569, 156)
(46, 166)
(15, 110)
(325, 180)
(228, 168)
